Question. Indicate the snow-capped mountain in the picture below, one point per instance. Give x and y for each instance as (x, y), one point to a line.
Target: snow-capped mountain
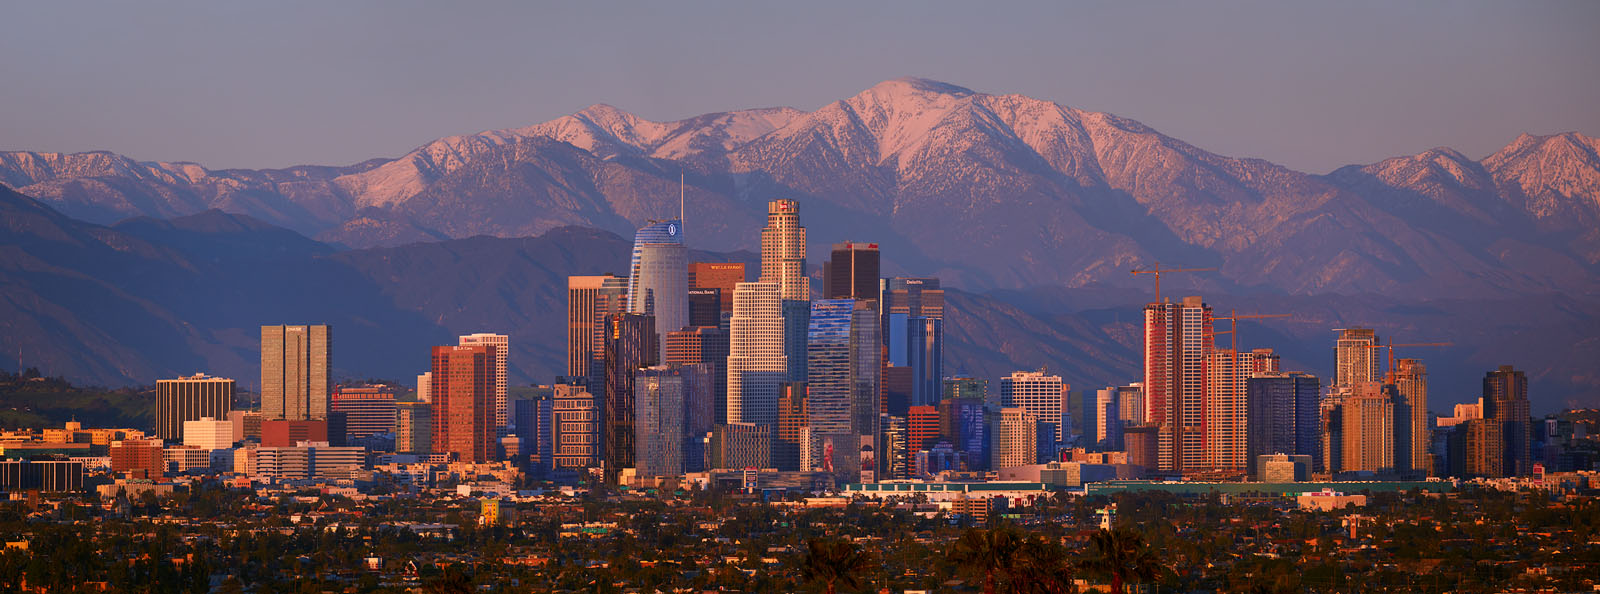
(985, 190)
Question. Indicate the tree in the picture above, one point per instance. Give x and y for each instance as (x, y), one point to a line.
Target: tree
(1122, 554)
(992, 552)
(1041, 568)
(833, 560)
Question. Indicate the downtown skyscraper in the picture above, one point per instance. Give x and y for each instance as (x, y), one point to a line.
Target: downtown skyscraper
(296, 362)
(658, 279)
(630, 344)
(1355, 357)
(500, 345)
(1505, 407)
(844, 358)
(1410, 378)
(1177, 337)
(913, 330)
(783, 263)
(589, 300)
(756, 361)
(852, 271)
(463, 402)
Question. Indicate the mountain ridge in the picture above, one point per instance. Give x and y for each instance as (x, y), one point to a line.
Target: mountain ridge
(1045, 194)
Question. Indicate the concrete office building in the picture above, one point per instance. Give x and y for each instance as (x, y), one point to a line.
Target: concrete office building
(575, 421)
(413, 433)
(295, 366)
(724, 276)
(590, 300)
(463, 402)
(501, 345)
(630, 344)
(190, 398)
(756, 361)
(1043, 396)
(368, 410)
(1016, 438)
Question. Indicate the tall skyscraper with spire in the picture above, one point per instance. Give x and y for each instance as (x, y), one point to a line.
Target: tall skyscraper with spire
(783, 263)
(658, 278)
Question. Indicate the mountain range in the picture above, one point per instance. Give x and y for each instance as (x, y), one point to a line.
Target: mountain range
(1045, 195)
(117, 271)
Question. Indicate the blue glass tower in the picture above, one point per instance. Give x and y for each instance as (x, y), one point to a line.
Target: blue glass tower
(658, 277)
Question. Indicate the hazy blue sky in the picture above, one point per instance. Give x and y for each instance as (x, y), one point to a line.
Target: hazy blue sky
(1309, 85)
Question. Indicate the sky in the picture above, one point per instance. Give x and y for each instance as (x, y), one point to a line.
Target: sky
(1313, 86)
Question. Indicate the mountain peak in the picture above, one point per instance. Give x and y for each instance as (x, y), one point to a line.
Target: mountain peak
(912, 84)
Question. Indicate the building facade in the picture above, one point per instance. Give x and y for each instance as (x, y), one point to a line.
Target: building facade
(659, 281)
(756, 361)
(1177, 337)
(852, 272)
(295, 366)
(723, 276)
(500, 345)
(844, 359)
(1043, 396)
(463, 403)
(590, 300)
(190, 398)
(630, 345)
(368, 410)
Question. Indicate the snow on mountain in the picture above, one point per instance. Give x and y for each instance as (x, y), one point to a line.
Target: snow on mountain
(991, 190)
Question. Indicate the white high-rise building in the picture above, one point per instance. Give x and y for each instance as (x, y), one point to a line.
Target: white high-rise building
(1039, 394)
(658, 279)
(208, 433)
(425, 387)
(756, 363)
(500, 345)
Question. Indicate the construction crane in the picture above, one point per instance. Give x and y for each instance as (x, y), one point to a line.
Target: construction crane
(1233, 318)
(1391, 346)
(1158, 270)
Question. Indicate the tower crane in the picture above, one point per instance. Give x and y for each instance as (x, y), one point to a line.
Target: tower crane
(1233, 318)
(1157, 270)
(1391, 346)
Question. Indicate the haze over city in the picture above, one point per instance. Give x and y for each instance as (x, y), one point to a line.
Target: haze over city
(1031, 297)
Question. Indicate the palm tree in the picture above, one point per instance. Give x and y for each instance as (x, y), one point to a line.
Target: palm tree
(992, 551)
(1123, 554)
(834, 560)
(1041, 568)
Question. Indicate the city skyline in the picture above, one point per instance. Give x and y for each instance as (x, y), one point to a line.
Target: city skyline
(822, 297)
